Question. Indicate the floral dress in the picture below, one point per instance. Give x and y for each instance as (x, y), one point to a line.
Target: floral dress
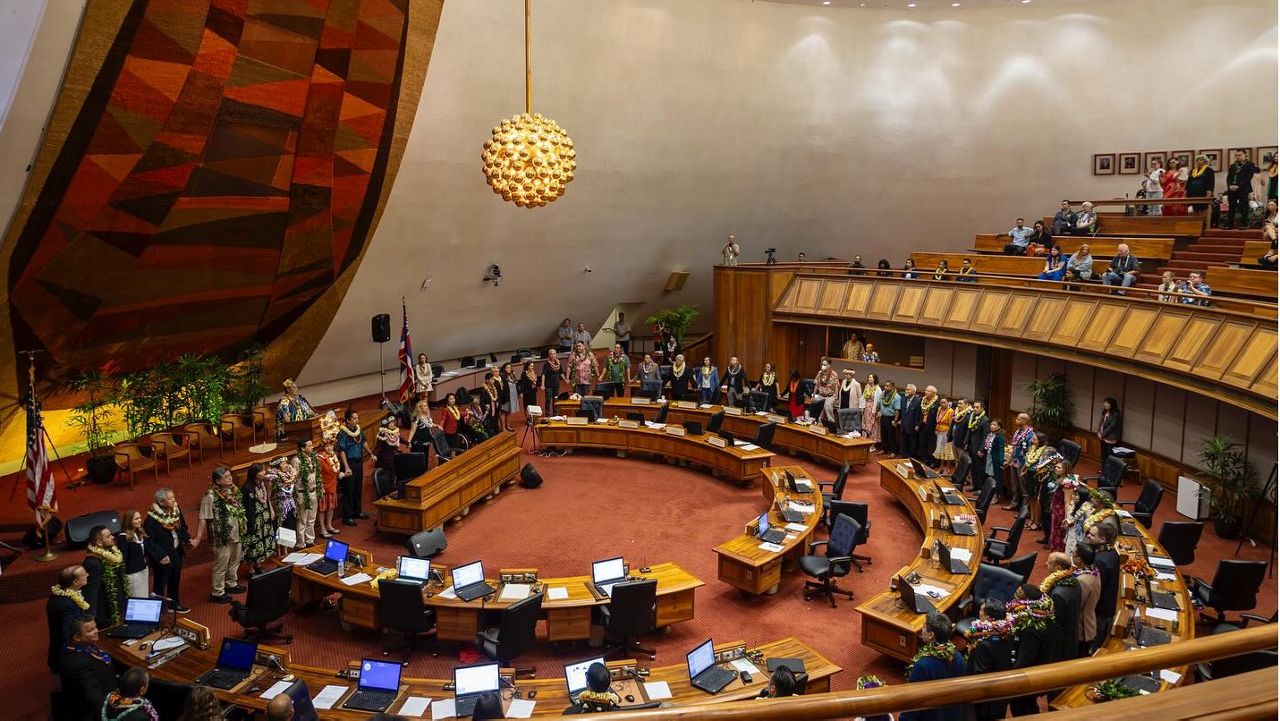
(1058, 510)
(871, 412)
(260, 540)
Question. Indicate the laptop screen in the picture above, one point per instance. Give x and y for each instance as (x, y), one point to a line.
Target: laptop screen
(379, 675)
(575, 674)
(944, 553)
(469, 680)
(607, 570)
(464, 576)
(701, 658)
(143, 610)
(413, 569)
(335, 551)
(237, 655)
(763, 523)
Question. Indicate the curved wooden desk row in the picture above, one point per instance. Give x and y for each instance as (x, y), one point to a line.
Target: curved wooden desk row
(240, 461)
(447, 491)
(551, 695)
(793, 437)
(737, 463)
(743, 561)
(568, 618)
(887, 625)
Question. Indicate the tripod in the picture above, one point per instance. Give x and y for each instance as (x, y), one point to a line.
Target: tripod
(531, 426)
(382, 374)
(1269, 495)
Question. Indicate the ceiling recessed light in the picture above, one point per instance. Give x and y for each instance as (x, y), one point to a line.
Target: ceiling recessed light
(1026, 2)
(911, 5)
(955, 5)
(826, 2)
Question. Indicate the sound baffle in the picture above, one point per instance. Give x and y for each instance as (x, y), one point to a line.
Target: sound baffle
(428, 543)
(529, 476)
(381, 327)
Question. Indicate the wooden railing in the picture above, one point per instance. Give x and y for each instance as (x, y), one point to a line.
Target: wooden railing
(969, 689)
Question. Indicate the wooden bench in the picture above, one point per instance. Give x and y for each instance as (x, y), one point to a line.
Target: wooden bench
(1099, 247)
(1254, 249)
(1017, 265)
(1247, 282)
(1118, 224)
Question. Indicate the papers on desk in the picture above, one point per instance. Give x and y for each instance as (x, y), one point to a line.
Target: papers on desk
(328, 696)
(355, 578)
(963, 555)
(556, 418)
(655, 426)
(515, 591)
(1123, 513)
(303, 559)
(414, 706)
(168, 643)
(770, 547)
(443, 708)
(1161, 614)
(276, 689)
(804, 486)
(797, 527)
(657, 690)
(742, 664)
(1161, 562)
(798, 507)
(749, 447)
(557, 593)
(851, 435)
(1162, 576)
(520, 708)
(931, 591)
(704, 405)
(447, 593)
(602, 420)
(1171, 677)
(286, 537)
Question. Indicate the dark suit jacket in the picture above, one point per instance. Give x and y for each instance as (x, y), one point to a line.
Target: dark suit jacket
(1108, 565)
(1112, 428)
(86, 681)
(58, 611)
(95, 592)
(960, 432)
(1066, 622)
(135, 555)
(1032, 648)
(911, 414)
(978, 436)
(161, 541)
(988, 656)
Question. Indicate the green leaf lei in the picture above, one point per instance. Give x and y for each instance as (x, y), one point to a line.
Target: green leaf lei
(308, 471)
(942, 651)
(1027, 614)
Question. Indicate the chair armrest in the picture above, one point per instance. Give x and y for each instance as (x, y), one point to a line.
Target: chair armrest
(1245, 618)
(815, 544)
(225, 424)
(121, 454)
(840, 559)
(991, 532)
(1131, 504)
(826, 484)
(156, 445)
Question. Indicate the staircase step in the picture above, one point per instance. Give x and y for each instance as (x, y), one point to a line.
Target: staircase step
(1223, 233)
(1204, 257)
(1215, 248)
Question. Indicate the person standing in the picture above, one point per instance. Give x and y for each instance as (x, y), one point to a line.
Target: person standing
(564, 336)
(912, 420)
(1031, 616)
(852, 348)
(890, 415)
(871, 408)
(508, 397)
(166, 529)
(826, 387)
(1202, 181)
(622, 333)
(991, 649)
(423, 378)
(351, 448)
(1102, 536)
(222, 518)
(259, 538)
(769, 386)
(959, 435)
(451, 421)
(708, 381)
(943, 452)
(86, 671)
(850, 391)
(580, 335)
(134, 545)
(307, 490)
(735, 382)
(1110, 428)
(679, 378)
(1174, 183)
(528, 385)
(330, 471)
(1153, 185)
(65, 603)
(650, 377)
(549, 381)
(993, 452)
(937, 659)
(616, 373)
(1020, 443)
(282, 478)
(979, 426)
(1090, 589)
(1064, 590)
(105, 589)
(731, 251)
(582, 369)
(1062, 490)
(925, 437)
(1239, 185)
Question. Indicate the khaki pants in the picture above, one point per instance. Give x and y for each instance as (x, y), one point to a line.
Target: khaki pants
(306, 524)
(226, 562)
(829, 408)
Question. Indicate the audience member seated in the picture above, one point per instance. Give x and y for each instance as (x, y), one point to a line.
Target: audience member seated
(1268, 261)
(782, 683)
(1080, 264)
(991, 650)
(1195, 285)
(909, 270)
(86, 671)
(599, 697)
(1086, 221)
(1019, 236)
(129, 702)
(1167, 285)
(1064, 221)
(1123, 270)
(1040, 241)
(869, 354)
(883, 268)
(937, 659)
(967, 273)
(856, 267)
(943, 270)
(1055, 267)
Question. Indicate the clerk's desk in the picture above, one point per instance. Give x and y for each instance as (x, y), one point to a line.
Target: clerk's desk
(568, 619)
(793, 437)
(551, 698)
(743, 563)
(887, 625)
(240, 461)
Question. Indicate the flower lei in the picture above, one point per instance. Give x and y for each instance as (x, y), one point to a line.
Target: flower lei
(988, 628)
(112, 579)
(1197, 172)
(942, 651)
(606, 699)
(1136, 566)
(976, 420)
(1065, 577)
(1090, 571)
(91, 650)
(1027, 614)
(768, 378)
(1083, 511)
(1098, 516)
(887, 399)
(869, 680)
(126, 706)
(169, 520)
(225, 509)
(384, 574)
(868, 391)
(108, 555)
(356, 434)
(71, 593)
(307, 467)
(926, 407)
(454, 411)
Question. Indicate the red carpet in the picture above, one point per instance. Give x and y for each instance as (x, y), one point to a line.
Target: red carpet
(591, 506)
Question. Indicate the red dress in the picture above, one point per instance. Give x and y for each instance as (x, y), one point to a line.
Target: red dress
(1173, 188)
(795, 401)
(329, 481)
(448, 423)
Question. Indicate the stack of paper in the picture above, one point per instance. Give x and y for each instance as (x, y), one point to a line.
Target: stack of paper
(328, 696)
(520, 708)
(353, 579)
(750, 447)
(276, 689)
(799, 507)
(443, 708)
(1161, 562)
(742, 664)
(303, 559)
(557, 593)
(963, 555)
(515, 591)
(797, 527)
(1161, 614)
(657, 690)
(414, 706)
(931, 591)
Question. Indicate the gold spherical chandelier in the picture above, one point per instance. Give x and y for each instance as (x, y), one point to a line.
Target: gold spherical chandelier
(529, 159)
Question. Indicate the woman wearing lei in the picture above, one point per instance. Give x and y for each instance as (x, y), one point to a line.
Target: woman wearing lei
(105, 590)
(768, 385)
(260, 538)
(475, 421)
(679, 377)
(422, 377)
(1030, 615)
(991, 646)
(65, 603)
(307, 490)
(1038, 463)
(284, 490)
(330, 468)
(1062, 486)
(130, 702)
(937, 658)
(549, 381)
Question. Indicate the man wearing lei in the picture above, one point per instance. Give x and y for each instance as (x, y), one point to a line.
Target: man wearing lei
(1063, 589)
(170, 539)
(307, 490)
(105, 589)
(991, 648)
(222, 518)
(1090, 589)
(1030, 616)
(65, 603)
(937, 659)
(1102, 536)
(293, 407)
(86, 671)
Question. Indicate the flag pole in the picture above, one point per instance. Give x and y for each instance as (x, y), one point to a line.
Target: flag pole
(48, 555)
(42, 516)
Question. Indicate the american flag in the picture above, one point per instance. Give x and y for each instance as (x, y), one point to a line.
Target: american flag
(40, 496)
(406, 358)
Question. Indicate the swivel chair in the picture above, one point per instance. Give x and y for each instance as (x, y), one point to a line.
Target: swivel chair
(1243, 663)
(1069, 450)
(444, 452)
(714, 422)
(836, 493)
(1179, 539)
(436, 370)
(381, 483)
(635, 416)
(515, 632)
(989, 582)
(764, 436)
(858, 511)
(1023, 565)
(835, 564)
(849, 420)
(1234, 588)
(1147, 502)
(632, 612)
(267, 601)
(468, 361)
(996, 549)
(1113, 470)
(404, 610)
(983, 501)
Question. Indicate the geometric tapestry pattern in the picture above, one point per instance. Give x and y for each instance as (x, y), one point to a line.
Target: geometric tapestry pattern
(224, 170)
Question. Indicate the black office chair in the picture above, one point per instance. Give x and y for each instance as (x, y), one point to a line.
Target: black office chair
(1070, 450)
(651, 389)
(984, 498)
(835, 564)
(1243, 663)
(632, 612)
(381, 483)
(635, 416)
(1113, 470)
(849, 420)
(524, 353)
(714, 422)
(444, 452)
(1180, 539)
(78, 528)
(989, 582)
(467, 361)
(764, 436)
(516, 631)
(996, 549)
(1023, 565)
(576, 710)
(168, 697)
(858, 511)
(662, 414)
(267, 601)
(835, 494)
(436, 370)
(960, 473)
(404, 610)
(758, 401)
(1234, 588)
(1147, 502)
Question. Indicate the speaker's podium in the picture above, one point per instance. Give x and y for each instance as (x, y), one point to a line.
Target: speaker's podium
(301, 430)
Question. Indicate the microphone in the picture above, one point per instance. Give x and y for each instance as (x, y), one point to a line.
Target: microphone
(157, 597)
(274, 663)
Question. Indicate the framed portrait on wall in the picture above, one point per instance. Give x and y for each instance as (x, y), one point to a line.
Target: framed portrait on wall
(1129, 163)
(1231, 155)
(1161, 155)
(1182, 156)
(1215, 158)
(1104, 164)
(1260, 155)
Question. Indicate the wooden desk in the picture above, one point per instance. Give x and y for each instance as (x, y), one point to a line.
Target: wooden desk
(1099, 247)
(749, 568)
(1019, 265)
(1254, 249)
(239, 462)
(887, 625)
(735, 463)
(1133, 594)
(448, 490)
(551, 699)
(1250, 282)
(792, 437)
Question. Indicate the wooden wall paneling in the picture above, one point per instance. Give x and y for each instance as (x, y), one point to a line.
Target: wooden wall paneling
(1190, 342)
(1134, 325)
(1201, 422)
(1257, 353)
(782, 349)
(1139, 410)
(858, 299)
(884, 296)
(807, 291)
(725, 303)
(990, 309)
(936, 301)
(998, 401)
(1167, 433)
(1223, 348)
(778, 282)
(831, 299)
(1266, 383)
(910, 303)
(787, 297)
(964, 306)
(813, 347)
(1164, 331)
(752, 314)
(1075, 317)
(1103, 325)
(1019, 318)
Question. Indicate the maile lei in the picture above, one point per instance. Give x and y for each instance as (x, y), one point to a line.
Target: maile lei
(307, 471)
(112, 579)
(887, 399)
(944, 652)
(169, 519)
(1065, 577)
(227, 507)
(1027, 614)
(76, 597)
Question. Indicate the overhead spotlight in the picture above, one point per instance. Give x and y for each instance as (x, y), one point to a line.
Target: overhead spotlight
(826, 2)
(955, 5)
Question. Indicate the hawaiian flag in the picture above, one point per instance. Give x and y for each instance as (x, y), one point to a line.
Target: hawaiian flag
(406, 358)
(40, 491)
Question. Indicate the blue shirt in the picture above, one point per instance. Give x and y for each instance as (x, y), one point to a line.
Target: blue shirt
(353, 447)
(1201, 287)
(1020, 236)
(888, 410)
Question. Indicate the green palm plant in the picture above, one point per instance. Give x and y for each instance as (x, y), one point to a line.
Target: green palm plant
(675, 320)
(1232, 482)
(1050, 405)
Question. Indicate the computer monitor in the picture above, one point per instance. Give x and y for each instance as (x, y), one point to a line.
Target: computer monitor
(701, 658)
(762, 524)
(474, 679)
(379, 675)
(575, 674)
(143, 610)
(610, 569)
(593, 403)
(412, 568)
(303, 709)
(468, 574)
(237, 655)
(335, 550)
(693, 428)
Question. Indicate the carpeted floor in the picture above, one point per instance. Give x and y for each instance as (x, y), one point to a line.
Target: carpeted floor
(591, 506)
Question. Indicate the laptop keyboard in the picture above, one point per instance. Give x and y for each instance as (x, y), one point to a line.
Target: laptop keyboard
(715, 678)
(465, 706)
(222, 678)
(370, 700)
(774, 536)
(323, 567)
(131, 630)
(791, 516)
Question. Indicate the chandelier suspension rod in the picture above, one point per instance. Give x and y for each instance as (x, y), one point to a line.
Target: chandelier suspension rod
(528, 69)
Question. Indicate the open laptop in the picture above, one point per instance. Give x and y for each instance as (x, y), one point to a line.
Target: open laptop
(790, 515)
(923, 471)
(575, 676)
(766, 534)
(798, 485)
(303, 709)
(334, 551)
(950, 496)
(727, 437)
(1166, 601)
(412, 568)
(468, 581)
(378, 686)
(960, 528)
(915, 602)
(141, 617)
(470, 683)
(953, 565)
(704, 674)
(606, 573)
(235, 663)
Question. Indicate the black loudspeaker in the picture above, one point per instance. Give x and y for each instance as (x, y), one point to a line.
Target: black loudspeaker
(409, 466)
(426, 544)
(529, 476)
(381, 326)
(34, 537)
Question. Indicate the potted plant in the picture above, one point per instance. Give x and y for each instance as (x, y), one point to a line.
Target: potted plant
(1230, 486)
(91, 417)
(1050, 405)
(674, 320)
